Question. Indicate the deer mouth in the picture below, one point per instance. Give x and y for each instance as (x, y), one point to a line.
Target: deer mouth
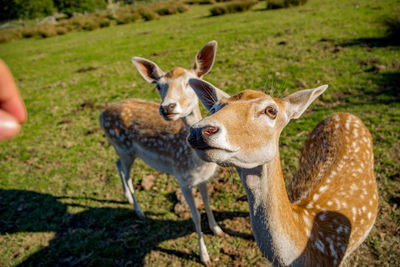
(204, 146)
(170, 116)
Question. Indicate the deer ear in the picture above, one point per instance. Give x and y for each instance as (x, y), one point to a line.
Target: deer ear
(207, 93)
(298, 102)
(148, 69)
(205, 59)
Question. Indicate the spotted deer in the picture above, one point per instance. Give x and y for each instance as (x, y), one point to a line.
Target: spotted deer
(136, 130)
(332, 200)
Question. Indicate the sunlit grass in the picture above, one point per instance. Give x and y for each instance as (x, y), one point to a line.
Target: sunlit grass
(61, 198)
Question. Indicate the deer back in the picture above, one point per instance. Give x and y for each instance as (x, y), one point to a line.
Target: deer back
(336, 175)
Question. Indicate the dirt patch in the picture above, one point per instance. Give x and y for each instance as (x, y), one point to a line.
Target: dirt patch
(181, 208)
(86, 69)
(161, 53)
(147, 182)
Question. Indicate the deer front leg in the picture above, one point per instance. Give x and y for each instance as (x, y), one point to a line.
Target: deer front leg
(124, 168)
(210, 216)
(187, 193)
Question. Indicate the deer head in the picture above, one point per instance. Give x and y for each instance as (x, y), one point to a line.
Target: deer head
(178, 98)
(244, 129)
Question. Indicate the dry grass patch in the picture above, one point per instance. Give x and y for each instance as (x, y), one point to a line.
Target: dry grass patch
(232, 7)
(93, 21)
(275, 4)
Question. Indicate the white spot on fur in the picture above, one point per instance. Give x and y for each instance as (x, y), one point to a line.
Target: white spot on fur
(306, 220)
(320, 245)
(323, 188)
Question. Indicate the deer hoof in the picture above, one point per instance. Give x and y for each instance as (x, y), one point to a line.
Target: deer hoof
(218, 231)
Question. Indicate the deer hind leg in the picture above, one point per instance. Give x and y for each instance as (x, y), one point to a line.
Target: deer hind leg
(124, 164)
(187, 193)
(210, 216)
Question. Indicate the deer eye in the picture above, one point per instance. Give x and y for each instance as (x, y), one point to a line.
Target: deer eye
(271, 112)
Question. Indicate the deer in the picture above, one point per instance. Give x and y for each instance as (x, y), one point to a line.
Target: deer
(331, 202)
(157, 135)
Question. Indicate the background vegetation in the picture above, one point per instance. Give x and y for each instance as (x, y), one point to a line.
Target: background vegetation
(17, 9)
(61, 201)
(92, 21)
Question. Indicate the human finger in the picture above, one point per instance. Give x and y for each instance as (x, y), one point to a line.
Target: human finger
(10, 99)
(9, 126)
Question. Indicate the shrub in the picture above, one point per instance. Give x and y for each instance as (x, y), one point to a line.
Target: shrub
(94, 21)
(124, 18)
(62, 30)
(168, 8)
(91, 22)
(232, 7)
(148, 14)
(46, 30)
(67, 24)
(9, 35)
(163, 11)
(392, 25)
(27, 9)
(41, 30)
(70, 7)
(199, 2)
(275, 4)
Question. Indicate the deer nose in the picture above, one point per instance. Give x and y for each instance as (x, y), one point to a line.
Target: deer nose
(171, 106)
(207, 131)
(168, 108)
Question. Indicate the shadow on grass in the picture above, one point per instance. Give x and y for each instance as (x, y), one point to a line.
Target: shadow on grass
(97, 236)
(371, 42)
(388, 88)
(385, 91)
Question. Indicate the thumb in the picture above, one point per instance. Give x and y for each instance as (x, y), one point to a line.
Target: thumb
(9, 126)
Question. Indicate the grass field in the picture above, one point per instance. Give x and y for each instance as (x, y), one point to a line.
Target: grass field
(61, 200)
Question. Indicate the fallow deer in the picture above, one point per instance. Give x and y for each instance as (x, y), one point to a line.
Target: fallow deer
(136, 130)
(332, 200)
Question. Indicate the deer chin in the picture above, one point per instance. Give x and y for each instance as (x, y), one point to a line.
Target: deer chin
(220, 156)
(226, 157)
(171, 116)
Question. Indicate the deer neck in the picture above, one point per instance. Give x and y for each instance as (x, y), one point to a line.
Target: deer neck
(192, 118)
(271, 212)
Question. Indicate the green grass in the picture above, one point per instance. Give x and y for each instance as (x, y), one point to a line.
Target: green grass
(60, 194)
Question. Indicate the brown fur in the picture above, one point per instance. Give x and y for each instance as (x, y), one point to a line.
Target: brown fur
(136, 129)
(175, 73)
(139, 122)
(246, 95)
(337, 159)
(332, 200)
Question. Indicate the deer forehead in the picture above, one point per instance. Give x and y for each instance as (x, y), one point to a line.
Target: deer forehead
(175, 73)
(246, 95)
(248, 98)
(176, 78)
(173, 85)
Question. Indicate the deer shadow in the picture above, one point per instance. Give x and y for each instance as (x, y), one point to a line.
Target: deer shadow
(328, 241)
(388, 88)
(372, 42)
(96, 236)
